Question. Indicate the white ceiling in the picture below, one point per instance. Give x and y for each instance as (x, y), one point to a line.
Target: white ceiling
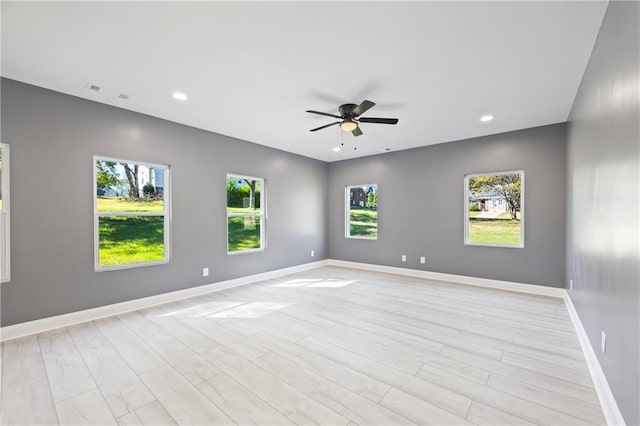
(252, 69)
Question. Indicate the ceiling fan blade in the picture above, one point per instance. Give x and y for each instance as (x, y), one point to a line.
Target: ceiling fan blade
(378, 120)
(326, 125)
(356, 131)
(362, 108)
(324, 113)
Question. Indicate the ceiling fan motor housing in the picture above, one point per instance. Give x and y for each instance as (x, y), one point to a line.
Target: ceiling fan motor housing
(346, 109)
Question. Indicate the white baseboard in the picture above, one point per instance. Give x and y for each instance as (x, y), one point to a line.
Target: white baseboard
(610, 409)
(65, 320)
(458, 279)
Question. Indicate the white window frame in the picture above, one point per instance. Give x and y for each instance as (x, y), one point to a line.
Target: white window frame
(466, 209)
(347, 212)
(262, 215)
(166, 213)
(5, 216)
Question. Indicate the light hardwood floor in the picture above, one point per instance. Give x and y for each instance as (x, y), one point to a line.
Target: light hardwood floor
(328, 346)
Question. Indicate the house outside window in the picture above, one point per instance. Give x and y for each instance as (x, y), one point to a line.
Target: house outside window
(361, 211)
(494, 212)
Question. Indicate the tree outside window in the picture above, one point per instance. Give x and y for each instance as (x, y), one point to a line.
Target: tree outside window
(245, 214)
(493, 213)
(131, 213)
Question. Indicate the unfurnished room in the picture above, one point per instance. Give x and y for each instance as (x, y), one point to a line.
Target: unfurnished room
(320, 212)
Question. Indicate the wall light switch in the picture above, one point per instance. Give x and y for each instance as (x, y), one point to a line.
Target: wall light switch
(423, 260)
(404, 257)
(603, 343)
(205, 272)
(570, 284)
(313, 253)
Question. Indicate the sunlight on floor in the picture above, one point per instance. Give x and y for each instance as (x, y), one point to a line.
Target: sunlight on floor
(308, 282)
(204, 310)
(228, 310)
(250, 310)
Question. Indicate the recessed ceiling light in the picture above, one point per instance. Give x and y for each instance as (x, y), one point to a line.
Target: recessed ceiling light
(486, 118)
(179, 96)
(336, 149)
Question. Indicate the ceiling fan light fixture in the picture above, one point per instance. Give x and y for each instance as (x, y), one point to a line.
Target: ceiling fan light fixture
(348, 125)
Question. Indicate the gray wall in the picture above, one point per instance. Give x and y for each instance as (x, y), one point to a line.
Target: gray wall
(53, 138)
(602, 174)
(421, 206)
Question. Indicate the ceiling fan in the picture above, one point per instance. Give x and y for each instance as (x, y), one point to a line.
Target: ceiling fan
(350, 116)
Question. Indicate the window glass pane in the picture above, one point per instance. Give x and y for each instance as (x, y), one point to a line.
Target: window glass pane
(363, 211)
(494, 209)
(243, 194)
(244, 233)
(4, 214)
(131, 217)
(129, 187)
(130, 239)
(1, 205)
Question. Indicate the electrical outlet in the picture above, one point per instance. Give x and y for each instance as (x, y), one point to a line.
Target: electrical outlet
(423, 260)
(603, 343)
(205, 272)
(404, 257)
(313, 253)
(570, 284)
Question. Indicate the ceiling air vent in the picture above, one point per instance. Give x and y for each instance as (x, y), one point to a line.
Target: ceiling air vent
(123, 96)
(94, 88)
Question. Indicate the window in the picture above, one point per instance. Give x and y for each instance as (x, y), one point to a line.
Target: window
(131, 213)
(494, 207)
(361, 211)
(245, 214)
(5, 258)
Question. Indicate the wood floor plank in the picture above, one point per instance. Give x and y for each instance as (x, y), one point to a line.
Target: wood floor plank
(185, 403)
(590, 413)
(120, 386)
(223, 336)
(294, 404)
(88, 408)
(20, 348)
(453, 402)
(378, 350)
(191, 365)
(136, 353)
(240, 404)
(483, 415)
(152, 414)
(68, 375)
(395, 329)
(502, 401)
(551, 369)
(26, 396)
(359, 383)
(419, 411)
(349, 404)
(193, 339)
(524, 375)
